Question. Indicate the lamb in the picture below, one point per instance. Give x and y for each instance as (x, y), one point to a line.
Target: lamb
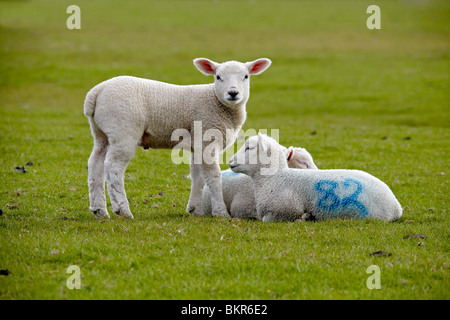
(238, 191)
(292, 195)
(125, 112)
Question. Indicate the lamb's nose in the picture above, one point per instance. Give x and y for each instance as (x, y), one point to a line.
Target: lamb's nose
(233, 94)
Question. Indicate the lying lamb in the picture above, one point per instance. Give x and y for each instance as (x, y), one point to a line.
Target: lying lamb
(125, 112)
(291, 195)
(238, 191)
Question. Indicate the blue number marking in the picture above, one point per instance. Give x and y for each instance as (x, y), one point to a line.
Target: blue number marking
(230, 173)
(331, 202)
(351, 200)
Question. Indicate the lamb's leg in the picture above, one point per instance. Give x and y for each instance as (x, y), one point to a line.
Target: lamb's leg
(195, 198)
(308, 217)
(213, 178)
(96, 177)
(117, 159)
(268, 217)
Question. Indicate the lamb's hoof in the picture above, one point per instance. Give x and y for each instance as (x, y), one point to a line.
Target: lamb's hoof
(221, 213)
(308, 217)
(194, 210)
(124, 213)
(100, 214)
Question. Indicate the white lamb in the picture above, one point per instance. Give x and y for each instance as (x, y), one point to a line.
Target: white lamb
(125, 112)
(290, 195)
(238, 191)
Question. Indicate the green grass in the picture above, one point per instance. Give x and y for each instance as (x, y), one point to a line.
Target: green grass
(377, 100)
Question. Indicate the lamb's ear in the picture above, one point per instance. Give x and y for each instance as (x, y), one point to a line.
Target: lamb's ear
(258, 66)
(206, 66)
(302, 159)
(289, 153)
(262, 142)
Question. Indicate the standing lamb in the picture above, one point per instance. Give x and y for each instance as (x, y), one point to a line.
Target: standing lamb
(290, 195)
(238, 191)
(125, 112)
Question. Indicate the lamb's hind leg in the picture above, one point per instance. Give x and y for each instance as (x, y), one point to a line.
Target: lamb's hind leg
(117, 159)
(96, 177)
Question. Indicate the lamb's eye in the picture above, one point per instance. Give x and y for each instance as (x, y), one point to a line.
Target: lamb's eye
(248, 148)
(246, 76)
(218, 78)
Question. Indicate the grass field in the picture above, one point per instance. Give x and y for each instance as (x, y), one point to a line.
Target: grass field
(375, 100)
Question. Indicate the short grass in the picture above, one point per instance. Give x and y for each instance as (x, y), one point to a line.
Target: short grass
(376, 100)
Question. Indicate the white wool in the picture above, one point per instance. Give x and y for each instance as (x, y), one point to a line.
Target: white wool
(125, 112)
(238, 190)
(290, 195)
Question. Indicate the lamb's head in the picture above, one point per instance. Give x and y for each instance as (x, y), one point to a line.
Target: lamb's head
(299, 158)
(232, 78)
(260, 155)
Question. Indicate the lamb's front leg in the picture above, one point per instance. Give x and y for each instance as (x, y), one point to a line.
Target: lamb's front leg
(195, 198)
(213, 179)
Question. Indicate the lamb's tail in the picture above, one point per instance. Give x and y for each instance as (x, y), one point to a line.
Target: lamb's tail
(398, 211)
(91, 99)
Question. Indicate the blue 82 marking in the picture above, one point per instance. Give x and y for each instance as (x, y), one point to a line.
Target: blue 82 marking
(331, 202)
(352, 199)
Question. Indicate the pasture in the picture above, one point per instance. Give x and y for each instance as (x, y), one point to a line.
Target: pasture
(375, 100)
